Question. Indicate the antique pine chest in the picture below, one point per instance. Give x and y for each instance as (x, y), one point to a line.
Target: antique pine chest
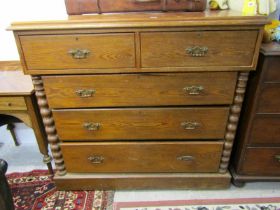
(141, 100)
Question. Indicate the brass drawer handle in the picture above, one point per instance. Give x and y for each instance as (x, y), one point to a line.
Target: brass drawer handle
(95, 159)
(85, 93)
(146, 1)
(277, 157)
(186, 158)
(92, 126)
(194, 90)
(197, 51)
(79, 53)
(190, 125)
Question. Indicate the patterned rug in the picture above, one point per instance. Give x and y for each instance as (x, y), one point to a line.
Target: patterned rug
(213, 204)
(35, 190)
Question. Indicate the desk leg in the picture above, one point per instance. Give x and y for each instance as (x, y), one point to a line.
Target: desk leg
(11, 127)
(39, 131)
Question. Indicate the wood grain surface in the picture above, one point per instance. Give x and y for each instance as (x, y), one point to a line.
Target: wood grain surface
(141, 124)
(269, 99)
(13, 83)
(12, 103)
(265, 130)
(52, 51)
(140, 89)
(225, 48)
(143, 157)
(261, 161)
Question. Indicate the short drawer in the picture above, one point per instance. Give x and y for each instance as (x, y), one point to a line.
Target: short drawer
(196, 49)
(265, 129)
(141, 124)
(135, 157)
(262, 161)
(140, 90)
(49, 52)
(12, 103)
(269, 99)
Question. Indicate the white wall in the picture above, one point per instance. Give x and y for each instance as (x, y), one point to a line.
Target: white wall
(21, 10)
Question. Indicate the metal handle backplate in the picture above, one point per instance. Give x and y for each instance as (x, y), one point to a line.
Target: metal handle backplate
(85, 93)
(96, 159)
(194, 90)
(186, 158)
(190, 125)
(146, 1)
(197, 51)
(92, 126)
(79, 53)
(277, 157)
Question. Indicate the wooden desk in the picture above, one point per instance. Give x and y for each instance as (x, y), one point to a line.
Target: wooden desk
(18, 103)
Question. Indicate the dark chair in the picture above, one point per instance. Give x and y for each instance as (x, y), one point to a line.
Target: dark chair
(6, 199)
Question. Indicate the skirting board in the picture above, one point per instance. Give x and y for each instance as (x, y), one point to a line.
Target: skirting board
(116, 181)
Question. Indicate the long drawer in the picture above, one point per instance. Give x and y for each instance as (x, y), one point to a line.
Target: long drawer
(141, 124)
(198, 48)
(142, 157)
(140, 90)
(265, 129)
(269, 99)
(79, 51)
(262, 161)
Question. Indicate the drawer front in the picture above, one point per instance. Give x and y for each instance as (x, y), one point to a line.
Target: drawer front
(142, 157)
(272, 64)
(266, 129)
(79, 51)
(141, 124)
(196, 49)
(262, 161)
(269, 99)
(140, 90)
(12, 103)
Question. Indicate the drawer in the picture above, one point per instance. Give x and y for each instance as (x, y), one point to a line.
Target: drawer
(269, 99)
(141, 124)
(137, 157)
(265, 129)
(272, 64)
(78, 51)
(12, 103)
(198, 48)
(140, 90)
(262, 161)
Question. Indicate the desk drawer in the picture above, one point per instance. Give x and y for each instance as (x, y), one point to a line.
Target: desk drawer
(79, 51)
(12, 103)
(141, 124)
(262, 161)
(135, 157)
(140, 90)
(196, 49)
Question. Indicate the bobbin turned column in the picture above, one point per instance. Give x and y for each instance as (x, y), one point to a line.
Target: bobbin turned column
(49, 125)
(234, 115)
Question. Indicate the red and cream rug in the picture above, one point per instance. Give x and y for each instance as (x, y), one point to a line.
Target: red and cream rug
(35, 190)
(208, 204)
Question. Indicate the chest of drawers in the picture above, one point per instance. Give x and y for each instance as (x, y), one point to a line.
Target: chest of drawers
(257, 154)
(148, 100)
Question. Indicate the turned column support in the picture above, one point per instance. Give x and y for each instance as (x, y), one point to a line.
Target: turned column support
(49, 125)
(234, 115)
